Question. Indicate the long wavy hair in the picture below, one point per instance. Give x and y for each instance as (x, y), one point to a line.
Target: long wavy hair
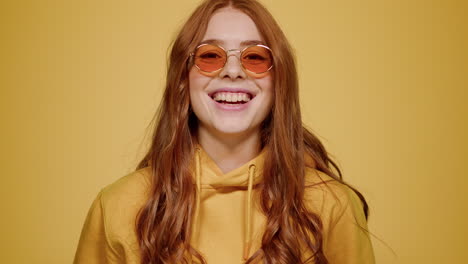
(163, 225)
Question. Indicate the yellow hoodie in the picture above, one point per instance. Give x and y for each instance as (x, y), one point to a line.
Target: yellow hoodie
(228, 223)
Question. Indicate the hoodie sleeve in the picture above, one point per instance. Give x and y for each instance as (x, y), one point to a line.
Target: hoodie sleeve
(347, 240)
(94, 246)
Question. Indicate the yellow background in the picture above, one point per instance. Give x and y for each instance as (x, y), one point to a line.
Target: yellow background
(383, 83)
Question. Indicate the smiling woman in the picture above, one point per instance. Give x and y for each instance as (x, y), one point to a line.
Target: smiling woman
(231, 175)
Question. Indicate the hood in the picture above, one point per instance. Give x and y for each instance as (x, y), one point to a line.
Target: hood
(211, 175)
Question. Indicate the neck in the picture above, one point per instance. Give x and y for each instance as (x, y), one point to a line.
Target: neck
(229, 151)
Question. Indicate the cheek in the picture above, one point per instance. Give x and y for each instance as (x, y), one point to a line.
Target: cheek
(266, 85)
(197, 81)
(197, 84)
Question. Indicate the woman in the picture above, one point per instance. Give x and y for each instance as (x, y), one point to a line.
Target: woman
(232, 175)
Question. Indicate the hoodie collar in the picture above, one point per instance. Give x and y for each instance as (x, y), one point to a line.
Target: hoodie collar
(213, 177)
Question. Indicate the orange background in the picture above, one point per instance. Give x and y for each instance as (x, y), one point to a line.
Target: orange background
(383, 84)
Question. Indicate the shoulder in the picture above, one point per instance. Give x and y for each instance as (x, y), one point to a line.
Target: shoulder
(127, 193)
(121, 202)
(129, 187)
(109, 228)
(345, 231)
(319, 184)
(330, 198)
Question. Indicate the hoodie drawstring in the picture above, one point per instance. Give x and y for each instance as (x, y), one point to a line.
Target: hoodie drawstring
(248, 230)
(198, 183)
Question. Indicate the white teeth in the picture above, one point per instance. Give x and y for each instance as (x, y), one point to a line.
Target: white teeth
(231, 97)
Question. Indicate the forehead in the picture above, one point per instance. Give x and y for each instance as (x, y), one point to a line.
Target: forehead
(232, 28)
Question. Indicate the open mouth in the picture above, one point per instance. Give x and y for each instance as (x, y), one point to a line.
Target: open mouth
(230, 98)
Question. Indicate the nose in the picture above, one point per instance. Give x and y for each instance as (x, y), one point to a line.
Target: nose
(233, 68)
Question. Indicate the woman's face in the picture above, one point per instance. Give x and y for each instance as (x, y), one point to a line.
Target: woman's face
(230, 29)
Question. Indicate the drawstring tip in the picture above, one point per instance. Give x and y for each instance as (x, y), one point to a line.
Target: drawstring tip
(246, 250)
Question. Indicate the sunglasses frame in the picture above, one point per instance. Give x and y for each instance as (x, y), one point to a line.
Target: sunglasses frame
(240, 51)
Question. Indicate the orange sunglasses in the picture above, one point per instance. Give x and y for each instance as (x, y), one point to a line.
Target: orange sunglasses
(255, 59)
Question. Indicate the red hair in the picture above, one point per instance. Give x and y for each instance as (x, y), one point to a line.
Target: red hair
(164, 223)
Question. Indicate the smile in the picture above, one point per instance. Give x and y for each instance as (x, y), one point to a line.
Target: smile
(231, 98)
(232, 101)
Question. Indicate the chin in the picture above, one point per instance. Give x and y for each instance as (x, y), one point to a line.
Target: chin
(231, 128)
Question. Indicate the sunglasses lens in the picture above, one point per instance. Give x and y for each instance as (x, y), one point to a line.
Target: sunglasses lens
(257, 59)
(210, 58)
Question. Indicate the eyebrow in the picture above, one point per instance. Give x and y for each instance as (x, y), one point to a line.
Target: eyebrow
(220, 42)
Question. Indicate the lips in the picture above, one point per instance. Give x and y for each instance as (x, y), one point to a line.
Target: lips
(227, 104)
(231, 96)
(232, 90)
(232, 107)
